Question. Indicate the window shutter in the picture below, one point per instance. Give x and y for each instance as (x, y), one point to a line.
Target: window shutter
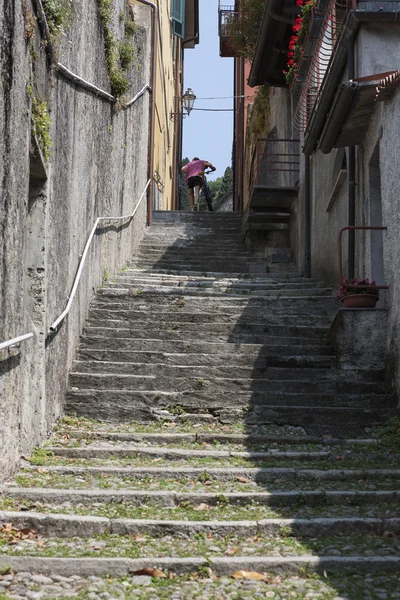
(178, 17)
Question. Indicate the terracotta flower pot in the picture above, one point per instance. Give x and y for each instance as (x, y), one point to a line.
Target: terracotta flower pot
(360, 301)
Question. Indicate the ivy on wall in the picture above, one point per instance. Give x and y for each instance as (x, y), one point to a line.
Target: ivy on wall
(259, 122)
(41, 122)
(120, 55)
(59, 15)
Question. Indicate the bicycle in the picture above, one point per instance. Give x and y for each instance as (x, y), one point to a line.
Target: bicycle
(206, 191)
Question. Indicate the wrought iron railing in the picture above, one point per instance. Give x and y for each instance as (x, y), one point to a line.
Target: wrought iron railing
(226, 14)
(324, 31)
(275, 163)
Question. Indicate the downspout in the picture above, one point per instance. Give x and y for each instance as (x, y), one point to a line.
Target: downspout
(152, 108)
(307, 217)
(351, 173)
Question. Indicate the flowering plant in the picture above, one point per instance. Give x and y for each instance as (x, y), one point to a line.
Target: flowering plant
(299, 28)
(355, 288)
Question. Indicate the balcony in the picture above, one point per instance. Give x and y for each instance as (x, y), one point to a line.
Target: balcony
(226, 14)
(274, 174)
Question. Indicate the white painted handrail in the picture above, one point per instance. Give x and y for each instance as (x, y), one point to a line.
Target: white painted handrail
(57, 322)
(16, 341)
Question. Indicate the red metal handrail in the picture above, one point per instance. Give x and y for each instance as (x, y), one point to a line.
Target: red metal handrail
(353, 227)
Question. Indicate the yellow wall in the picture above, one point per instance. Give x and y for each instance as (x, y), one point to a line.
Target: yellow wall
(168, 74)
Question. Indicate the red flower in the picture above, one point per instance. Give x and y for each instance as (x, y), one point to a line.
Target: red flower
(299, 2)
(290, 62)
(296, 27)
(298, 21)
(290, 54)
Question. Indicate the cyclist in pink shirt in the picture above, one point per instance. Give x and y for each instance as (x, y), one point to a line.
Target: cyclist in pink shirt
(194, 178)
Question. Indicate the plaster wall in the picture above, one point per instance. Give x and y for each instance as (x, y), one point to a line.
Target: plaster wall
(382, 134)
(169, 67)
(97, 167)
(377, 48)
(327, 194)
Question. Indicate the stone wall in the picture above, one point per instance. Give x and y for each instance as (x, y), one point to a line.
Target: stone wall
(97, 167)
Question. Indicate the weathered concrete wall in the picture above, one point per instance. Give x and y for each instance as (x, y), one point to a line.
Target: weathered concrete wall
(382, 140)
(97, 167)
(359, 338)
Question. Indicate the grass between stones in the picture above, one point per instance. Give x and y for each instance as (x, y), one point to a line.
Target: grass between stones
(64, 440)
(185, 511)
(201, 585)
(203, 545)
(45, 478)
(73, 422)
(46, 457)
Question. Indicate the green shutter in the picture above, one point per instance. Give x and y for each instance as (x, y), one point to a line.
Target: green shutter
(178, 17)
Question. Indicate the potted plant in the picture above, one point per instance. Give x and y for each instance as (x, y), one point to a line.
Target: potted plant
(354, 294)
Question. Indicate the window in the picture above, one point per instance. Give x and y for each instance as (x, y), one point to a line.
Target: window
(178, 17)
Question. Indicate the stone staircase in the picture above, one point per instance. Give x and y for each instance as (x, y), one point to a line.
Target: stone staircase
(211, 448)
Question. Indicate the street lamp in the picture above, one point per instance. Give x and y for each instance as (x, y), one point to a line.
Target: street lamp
(188, 99)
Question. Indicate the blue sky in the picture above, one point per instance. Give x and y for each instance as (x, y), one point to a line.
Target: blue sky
(208, 135)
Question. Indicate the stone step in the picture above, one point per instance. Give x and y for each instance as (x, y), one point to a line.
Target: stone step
(268, 348)
(70, 435)
(218, 332)
(181, 316)
(202, 439)
(214, 283)
(194, 275)
(207, 302)
(226, 371)
(165, 216)
(190, 383)
(203, 291)
(297, 409)
(173, 498)
(179, 454)
(194, 250)
(205, 360)
(62, 525)
(302, 475)
(285, 566)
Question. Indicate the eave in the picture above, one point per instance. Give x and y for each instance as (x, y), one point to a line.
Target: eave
(270, 57)
(353, 105)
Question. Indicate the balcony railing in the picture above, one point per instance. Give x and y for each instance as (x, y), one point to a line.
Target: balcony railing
(226, 14)
(319, 45)
(275, 165)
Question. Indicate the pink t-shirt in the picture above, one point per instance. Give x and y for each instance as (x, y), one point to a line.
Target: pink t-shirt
(194, 168)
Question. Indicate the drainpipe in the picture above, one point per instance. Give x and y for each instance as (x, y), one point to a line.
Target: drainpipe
(153, 80)
(307, 217)
(351, 173)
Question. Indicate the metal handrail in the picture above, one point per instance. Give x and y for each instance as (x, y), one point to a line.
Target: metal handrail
(265, 161)
(59, 320)
(15, 341)
(340, 272)
(53, 327)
